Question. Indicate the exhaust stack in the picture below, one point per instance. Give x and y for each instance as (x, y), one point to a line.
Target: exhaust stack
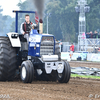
(40, 26)
(39, 4)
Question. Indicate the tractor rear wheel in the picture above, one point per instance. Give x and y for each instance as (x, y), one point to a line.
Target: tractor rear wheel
(8, 60)
(27, 72)
(65, 76)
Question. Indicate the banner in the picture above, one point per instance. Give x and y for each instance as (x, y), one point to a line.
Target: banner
(65, 56)
(93, 57)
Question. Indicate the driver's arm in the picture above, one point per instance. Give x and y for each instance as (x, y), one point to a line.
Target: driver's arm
(21, 29)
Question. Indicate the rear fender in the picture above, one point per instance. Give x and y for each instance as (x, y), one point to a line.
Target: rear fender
(14, 39)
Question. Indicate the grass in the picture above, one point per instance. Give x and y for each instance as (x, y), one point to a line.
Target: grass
(85, 76)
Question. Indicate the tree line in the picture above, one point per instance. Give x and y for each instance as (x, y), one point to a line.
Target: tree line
(63, 21)
(5, 23)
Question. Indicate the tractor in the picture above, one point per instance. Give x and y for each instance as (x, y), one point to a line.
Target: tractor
(40, 59)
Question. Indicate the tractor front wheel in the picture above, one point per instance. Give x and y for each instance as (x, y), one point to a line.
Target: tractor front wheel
(27, 72)
(65, 76)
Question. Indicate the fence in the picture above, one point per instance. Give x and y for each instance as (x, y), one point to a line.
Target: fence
(65, 47)
(91, 45)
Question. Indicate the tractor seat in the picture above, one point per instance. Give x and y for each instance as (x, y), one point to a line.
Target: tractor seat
(24, 45)
(22, 39)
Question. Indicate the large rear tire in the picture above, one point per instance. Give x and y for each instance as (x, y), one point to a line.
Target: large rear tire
(8, 60)
(65, 76)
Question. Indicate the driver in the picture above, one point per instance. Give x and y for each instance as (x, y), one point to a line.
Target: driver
(25, 27)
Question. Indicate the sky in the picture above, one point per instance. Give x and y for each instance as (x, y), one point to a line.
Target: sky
(8, 6)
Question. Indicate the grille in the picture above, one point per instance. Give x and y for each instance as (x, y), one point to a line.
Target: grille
(47, 46)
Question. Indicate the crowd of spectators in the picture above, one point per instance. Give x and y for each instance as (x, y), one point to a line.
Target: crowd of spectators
(93, 35)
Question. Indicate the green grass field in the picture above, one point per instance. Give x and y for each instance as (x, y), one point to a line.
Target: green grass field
(85, 76)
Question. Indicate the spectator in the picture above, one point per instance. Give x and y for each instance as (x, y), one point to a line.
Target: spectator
(95, 35)
(72, 47)
(99, 35)
(99, 50)
(88, 35)
(83, 36)
(91, 34)
(71, 50)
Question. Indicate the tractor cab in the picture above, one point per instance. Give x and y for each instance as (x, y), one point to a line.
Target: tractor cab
(39, 43)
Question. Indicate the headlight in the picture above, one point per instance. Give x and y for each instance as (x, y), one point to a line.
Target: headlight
(14, 35)
(37, 45)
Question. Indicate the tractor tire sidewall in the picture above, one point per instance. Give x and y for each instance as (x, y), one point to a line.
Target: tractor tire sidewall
(61, 80)
(31, 71)
(25, 64)
(66, 74)
(8, 60)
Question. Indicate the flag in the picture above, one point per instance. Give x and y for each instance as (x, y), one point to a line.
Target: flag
(83, 36)
(36, 17)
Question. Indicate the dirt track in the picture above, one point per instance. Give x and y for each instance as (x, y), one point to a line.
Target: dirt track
(84, 64)
(76, 89)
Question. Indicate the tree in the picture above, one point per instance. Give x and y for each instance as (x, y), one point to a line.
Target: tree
(25, 6)
(5, 23)
(93, 17)
(62, 18)
(67, 19)
(63, 22)
(1, 22)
